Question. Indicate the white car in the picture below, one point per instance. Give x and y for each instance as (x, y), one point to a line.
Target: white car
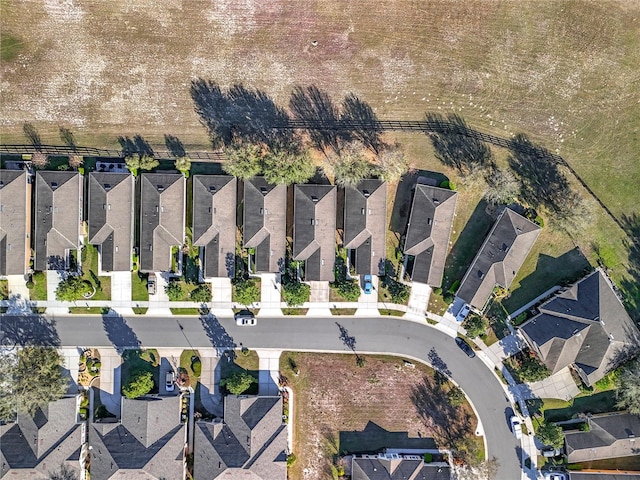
(462, 314)
(170, 379)
(245, 318)
(516, 426)
(556, 476)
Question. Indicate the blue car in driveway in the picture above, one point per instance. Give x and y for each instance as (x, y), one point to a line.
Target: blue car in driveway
(368, 286)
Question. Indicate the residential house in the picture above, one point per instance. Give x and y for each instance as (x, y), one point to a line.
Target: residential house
(148, 443)
(214, 223)
(428, 232)
(249, 443)
(111, 219)
(606, 475)
(314, 230)
(36, 445)
(58, 218)
(162, 197)
(14, 231)
(264, 224)
(585, 327)
(499, 259)
(393, 466)
(611, 435)
(365, 219)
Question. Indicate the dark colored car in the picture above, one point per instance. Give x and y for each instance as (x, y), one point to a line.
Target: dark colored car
(465, 347)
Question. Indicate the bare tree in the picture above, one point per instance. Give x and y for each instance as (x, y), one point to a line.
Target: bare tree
(39, 160)
(502, 186)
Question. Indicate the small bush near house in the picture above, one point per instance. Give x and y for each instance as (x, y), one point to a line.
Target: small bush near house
(348, 289)
(201, 294)
(291, 459)
(140, 383)
(196, 366)
(238, 382)
(475, 325)
(550, 434)
(428, 458)
(447, 298)
(174, 291)
(399, 291)
(295, 293)
(437, 291)
(246, 292)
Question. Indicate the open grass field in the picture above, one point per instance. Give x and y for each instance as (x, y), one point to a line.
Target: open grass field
(340, 408)
(121, 68)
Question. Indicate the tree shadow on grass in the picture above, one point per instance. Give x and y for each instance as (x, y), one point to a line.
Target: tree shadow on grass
(137, 144)
(630, 284)
(362, 122)
(174, 146)
(26, 330)
(373, 439)
(119, 333)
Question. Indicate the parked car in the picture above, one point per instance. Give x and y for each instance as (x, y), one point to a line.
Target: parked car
(516, 426)
(368, 286)
(245, 318)
(151, 284)
(556, 476)
(550, 452)
(170, 380)
(462, 314)
(465, 347)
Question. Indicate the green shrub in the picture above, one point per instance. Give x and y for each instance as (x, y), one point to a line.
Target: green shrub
(539, 221)
(291, 459)
(428, 458)
(448, 184)
(456, 397)
(454, 287)
(399, 291)
(174, 291)
(238, 383)
(245, 351)
(196, 366)
(519, 319)
(85, 401)
(348, 289)
(83, 412)
(550, 434)
(140, 383)
(30, 283)
(584, 427)
(295, 293)
(246, 292)
(448, 298)
(202, 294)
(475, 325)
(437, 291)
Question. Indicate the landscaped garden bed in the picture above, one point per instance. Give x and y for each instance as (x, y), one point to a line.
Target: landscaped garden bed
(140, 372)
(525, 367)
(89, 368)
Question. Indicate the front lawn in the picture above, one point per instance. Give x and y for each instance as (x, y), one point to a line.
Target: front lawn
(38, 286)
(191, 365)
(141, 360)
(139, 290)
(90, 273)
(236, 361)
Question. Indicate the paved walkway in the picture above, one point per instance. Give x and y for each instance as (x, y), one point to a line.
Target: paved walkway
(269, 372)
(418, 300)
(110, 380)
(504, 348)
(18, 286)
(270, 295)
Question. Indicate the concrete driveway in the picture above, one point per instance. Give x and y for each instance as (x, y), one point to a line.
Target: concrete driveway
(319, 298)
(121, 292)
(110, 372)
(418, 300)
(54, 277)
(368, 303)
(158, 303)
(270, 295)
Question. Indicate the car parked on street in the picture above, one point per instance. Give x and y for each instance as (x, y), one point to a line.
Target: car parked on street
(516, 426)
(465, 347)
(245, 318)
(368, 285)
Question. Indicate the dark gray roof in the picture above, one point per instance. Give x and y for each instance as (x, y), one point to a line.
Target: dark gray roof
(110, 218)
(374, 467)
(365, 219)
(214, 222)
(611, 436)
(264, 224)
(42, 442)
(314, 230)
(586, 326)
(252, 438)
(150, 438)
(499, 259)
(161, 219)
(13, 214)
(428, 232)
(57, 217)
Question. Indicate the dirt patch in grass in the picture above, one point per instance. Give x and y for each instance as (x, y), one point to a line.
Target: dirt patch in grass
(340, 407)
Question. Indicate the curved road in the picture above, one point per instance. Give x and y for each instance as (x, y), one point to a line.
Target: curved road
(376, 335)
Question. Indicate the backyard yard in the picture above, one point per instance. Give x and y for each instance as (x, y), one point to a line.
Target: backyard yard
(342, 408)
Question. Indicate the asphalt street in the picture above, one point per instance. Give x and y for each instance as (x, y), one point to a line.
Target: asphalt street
(337, 334)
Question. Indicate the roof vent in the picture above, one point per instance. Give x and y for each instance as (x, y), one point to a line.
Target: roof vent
(366, 193)
(107, 187)
(314, 199)
(436, 201)
(54, 185)
(429, 221)
(160, 188)
(480, 274)
(263, 190)
(212, 188)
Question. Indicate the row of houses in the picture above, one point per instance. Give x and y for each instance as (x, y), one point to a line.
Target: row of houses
(113, 204)
(149, 440)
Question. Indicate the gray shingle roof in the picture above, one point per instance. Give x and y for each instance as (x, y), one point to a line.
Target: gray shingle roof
(162, 197)
(58, 217)
(370, 467)
(149, 439)
(499, 259)
(264, 224)
(214, 222)
(41, 443)
(365, 218)
(428, 232)
(611, 436)
(585, 326)
(314, 230)
(13, 212)
(110, 218)
(604, 476)
(252, 441)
